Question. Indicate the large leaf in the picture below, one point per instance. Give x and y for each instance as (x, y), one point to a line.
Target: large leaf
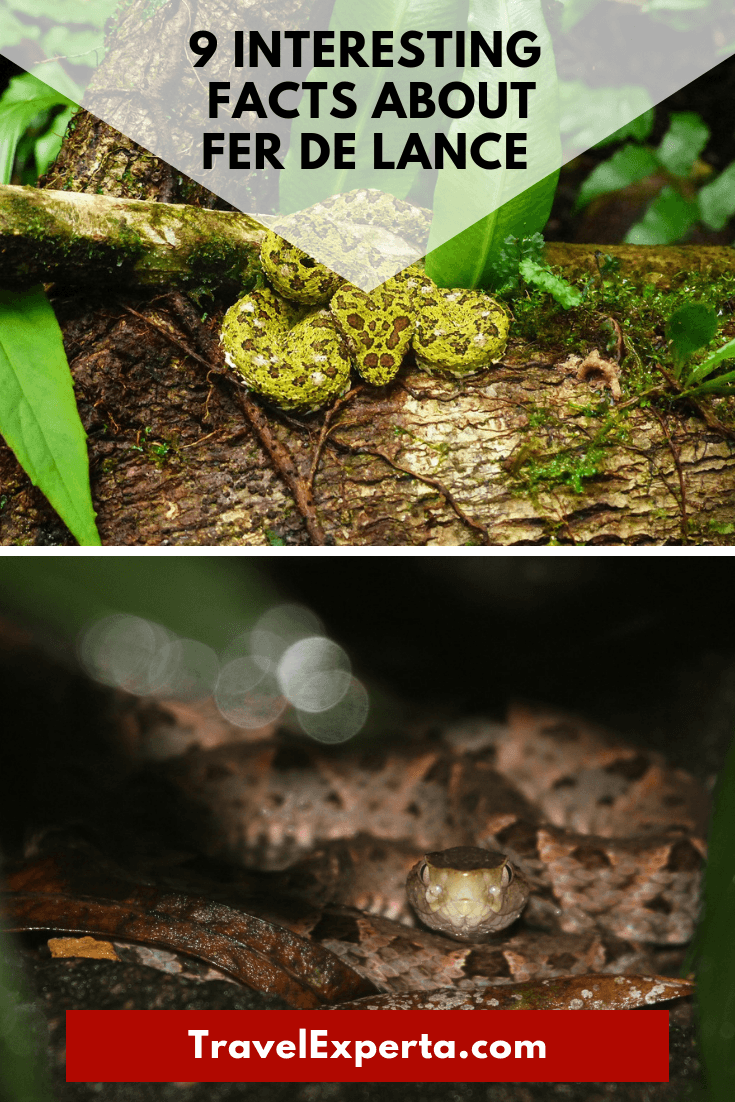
(38, 413)
(95, 12)
(14, 31)
(716, 970)
(717, 200)
(638, 129)
(626, 166)
(469, 258)
(691, 326)
(465, 259)
(24, 99)
(299, 188)
(47, 146)
(584, 112)
(727, 352)
(667, 220)
(683, 142)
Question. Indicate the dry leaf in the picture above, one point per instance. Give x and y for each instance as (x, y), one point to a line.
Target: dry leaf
(81, 947)
(590, 992)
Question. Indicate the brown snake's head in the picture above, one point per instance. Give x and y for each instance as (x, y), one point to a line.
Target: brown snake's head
(466, 892)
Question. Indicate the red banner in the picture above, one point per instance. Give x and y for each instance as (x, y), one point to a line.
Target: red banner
(287, 1046)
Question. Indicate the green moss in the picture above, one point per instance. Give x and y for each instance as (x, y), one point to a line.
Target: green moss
(158, 451)
(540, 417)
(640, 311)
(569, 468)
(566, 454)
(67, 250)
(217, 263)
(721, 527)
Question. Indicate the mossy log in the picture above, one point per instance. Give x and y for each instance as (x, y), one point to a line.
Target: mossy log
(98, 240)
(83, 239)
(521, 454)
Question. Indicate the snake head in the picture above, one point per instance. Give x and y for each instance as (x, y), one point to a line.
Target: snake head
(466, 892)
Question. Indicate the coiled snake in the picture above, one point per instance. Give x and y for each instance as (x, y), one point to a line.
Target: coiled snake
(608, 840)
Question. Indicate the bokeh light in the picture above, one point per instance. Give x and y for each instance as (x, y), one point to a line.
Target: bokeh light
(124, 651)
(285, 658)
(314, 674)
(248, 694)
(343, 721)
(281, 626)
(184, 669)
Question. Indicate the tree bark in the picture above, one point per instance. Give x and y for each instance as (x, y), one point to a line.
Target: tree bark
(517, 455)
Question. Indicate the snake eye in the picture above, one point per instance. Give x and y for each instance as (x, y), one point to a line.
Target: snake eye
(424, 874)
(506, 876)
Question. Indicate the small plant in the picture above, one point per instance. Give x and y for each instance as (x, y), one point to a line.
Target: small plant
(522, 259)
(33, 118)
(691, 327)
(681, 202)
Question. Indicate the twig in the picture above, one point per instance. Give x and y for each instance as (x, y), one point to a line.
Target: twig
(284, 463)
(709, 418)
(643, 394)
(327, 425)
(680, 473)
(169, 336)
(280, 455)
(563, 518)
(358, 449)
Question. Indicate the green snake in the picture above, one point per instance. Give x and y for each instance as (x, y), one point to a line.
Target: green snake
(297, 342)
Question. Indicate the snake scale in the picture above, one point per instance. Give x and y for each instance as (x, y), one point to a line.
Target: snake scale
(296, 342)
(608, 839)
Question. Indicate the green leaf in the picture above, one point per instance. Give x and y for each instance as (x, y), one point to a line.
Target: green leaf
(638, 129)
(47, 146)
(14, 31)
(24, 1068)
(462, 256)
(690, 327)
(586, 113)
(299, 187)
(715, 989)
(669, 217)
(575, 11)
(54, 76)
(79, 46)
(476, 257)
(506, 277)
(24, 99)
(676, 5)
(717, 200)
(723, 384)
(93, 12)
(38, 413)
(682, 143)
(626, 166)
(701, 371)
(566, 295)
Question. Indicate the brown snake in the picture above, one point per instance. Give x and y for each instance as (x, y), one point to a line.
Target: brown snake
(608, 838)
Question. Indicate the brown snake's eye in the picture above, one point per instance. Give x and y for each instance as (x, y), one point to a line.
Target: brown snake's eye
(424, 874)
(506, 876)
